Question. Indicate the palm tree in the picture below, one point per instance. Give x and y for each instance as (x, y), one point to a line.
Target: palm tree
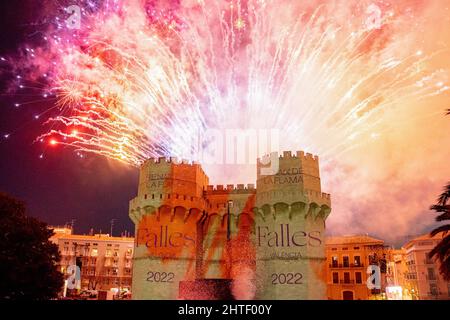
(442, 249)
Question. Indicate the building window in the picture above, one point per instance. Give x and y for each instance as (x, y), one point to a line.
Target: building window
(129, 253)
(428, 259)
(431, 274)
(335, 277)
(357, 261)
(345, 261)
(355, 248)
(334, 262)
(108, 253)
(358, 277)
(94, 252)
(434, 289)
(346, 277)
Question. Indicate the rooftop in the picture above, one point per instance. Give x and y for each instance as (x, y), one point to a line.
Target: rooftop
(424, 237)
(353, 239)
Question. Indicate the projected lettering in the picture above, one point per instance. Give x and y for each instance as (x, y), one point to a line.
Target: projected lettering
(285, 176)
(286, 236)
(165, 238)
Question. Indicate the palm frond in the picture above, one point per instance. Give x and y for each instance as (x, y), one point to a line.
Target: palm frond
(439, 208)
(442, 249)
(445, 195)
(445, 228)
(444, 216)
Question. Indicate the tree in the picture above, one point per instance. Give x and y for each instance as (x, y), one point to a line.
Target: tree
(27, 258)
(442, 249)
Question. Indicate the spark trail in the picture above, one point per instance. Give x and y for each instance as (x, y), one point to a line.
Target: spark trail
(142, 79)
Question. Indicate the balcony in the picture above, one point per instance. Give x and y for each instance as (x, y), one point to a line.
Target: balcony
(351, 265)
(347, 281)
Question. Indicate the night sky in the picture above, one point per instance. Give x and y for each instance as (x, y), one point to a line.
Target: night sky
(382, 181)
(60, 187)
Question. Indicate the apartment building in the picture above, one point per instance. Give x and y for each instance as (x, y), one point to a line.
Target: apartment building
(347, 260)
(105, 261)
(422, 273)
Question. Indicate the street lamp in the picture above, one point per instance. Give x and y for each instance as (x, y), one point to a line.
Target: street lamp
(230, 205)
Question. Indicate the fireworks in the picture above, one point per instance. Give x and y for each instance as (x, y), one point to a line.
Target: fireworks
(143, 79)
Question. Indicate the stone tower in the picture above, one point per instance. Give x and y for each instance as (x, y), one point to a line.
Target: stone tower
(194, 240)
(289, 229)
(166, 213)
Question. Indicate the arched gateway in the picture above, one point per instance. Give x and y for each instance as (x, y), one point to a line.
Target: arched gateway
(196, 241)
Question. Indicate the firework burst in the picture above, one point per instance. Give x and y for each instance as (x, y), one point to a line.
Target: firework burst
(142, 79)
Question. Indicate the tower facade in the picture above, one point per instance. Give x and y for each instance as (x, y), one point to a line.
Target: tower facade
(258, 242)
(290, 227)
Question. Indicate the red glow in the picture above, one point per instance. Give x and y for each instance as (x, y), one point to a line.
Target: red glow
(53, 142)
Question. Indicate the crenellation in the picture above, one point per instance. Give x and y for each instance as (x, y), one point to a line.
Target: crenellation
(265, 159)
(170, 161)
(309, 156)
(287, 155)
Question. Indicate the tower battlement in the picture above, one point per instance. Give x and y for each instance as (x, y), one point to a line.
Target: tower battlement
(171, 160)
(288, 155)
(230, 188)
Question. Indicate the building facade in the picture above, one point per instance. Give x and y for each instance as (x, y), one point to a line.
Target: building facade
(257, 242)
(422, 276)
(347, 260)
(105, 262)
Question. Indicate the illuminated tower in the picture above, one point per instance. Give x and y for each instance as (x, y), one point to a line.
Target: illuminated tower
(197, 241)
(166, 213)
(289, 228)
